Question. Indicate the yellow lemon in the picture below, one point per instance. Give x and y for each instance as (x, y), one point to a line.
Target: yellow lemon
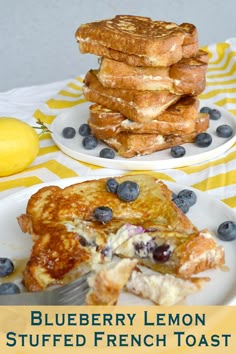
(19, 145)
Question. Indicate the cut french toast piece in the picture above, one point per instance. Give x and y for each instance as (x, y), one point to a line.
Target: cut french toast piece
(68, 240)
(138, 41)
(163, 289)
(139, 106)
(174, 253)
(107, 283)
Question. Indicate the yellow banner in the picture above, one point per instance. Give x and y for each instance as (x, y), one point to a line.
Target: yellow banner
(152, 329)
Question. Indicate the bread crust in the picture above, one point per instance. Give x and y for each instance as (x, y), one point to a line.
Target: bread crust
(138, 40)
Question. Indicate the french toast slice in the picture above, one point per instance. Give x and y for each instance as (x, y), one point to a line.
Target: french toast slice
(187, 77)
(139, 106)
(138, 41)
(180, 118)
(130, 145)
(68, 240)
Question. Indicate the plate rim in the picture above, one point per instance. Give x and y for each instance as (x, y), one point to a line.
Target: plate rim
(131, 163)
(25, 194)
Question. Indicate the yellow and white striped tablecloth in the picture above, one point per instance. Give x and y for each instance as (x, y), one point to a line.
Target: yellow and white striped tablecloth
(216, 177)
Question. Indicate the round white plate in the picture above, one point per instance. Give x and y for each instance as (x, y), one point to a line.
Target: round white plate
(159, 160)
(206, 213)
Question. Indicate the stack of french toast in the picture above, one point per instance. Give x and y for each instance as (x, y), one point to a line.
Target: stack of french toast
(145, 91)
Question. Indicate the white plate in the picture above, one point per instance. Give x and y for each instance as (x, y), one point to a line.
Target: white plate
(159, 160)
(207, 213)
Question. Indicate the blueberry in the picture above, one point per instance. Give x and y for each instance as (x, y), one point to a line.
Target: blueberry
(112, 185)
(144, 249)
(90, 142)
(177, 151)
(203, 140)
(215, 114)
(103, 214)
(205, 110)
(224, 131)
(161, 253)
(84, 130)
(189, 196)
(6, 267)
(128, 191)
(182, 204)
(174, 196)
(9, 288)
(68, 132)
(227, 231)
(107, 153)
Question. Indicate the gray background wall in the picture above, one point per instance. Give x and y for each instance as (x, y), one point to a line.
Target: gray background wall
(37, 43)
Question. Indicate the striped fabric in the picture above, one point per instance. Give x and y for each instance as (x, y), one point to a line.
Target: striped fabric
(216, 177)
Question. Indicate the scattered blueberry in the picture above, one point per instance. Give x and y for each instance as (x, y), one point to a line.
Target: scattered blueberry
(90, 142)
(189, 196)
(68, 132)
(128, 191)
(227, 231)
(84, 130)
(112, 185)
(224, 131)
(161, 253)
(215, 114)
(9, 288)
(103, 214)
(177, 151)
(6, 267)
(205, 110)
(107, 153)
(182, 204)
(203, 140)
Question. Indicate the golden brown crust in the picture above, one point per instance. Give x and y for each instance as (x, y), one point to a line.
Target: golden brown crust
(55, 256)
(198, 254)
(181, 118)
(74, 202)
(130, 145)
(198, 125)
(185, 77)
(137, 40)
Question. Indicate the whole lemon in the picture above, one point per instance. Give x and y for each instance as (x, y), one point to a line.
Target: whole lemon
(19, 145)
